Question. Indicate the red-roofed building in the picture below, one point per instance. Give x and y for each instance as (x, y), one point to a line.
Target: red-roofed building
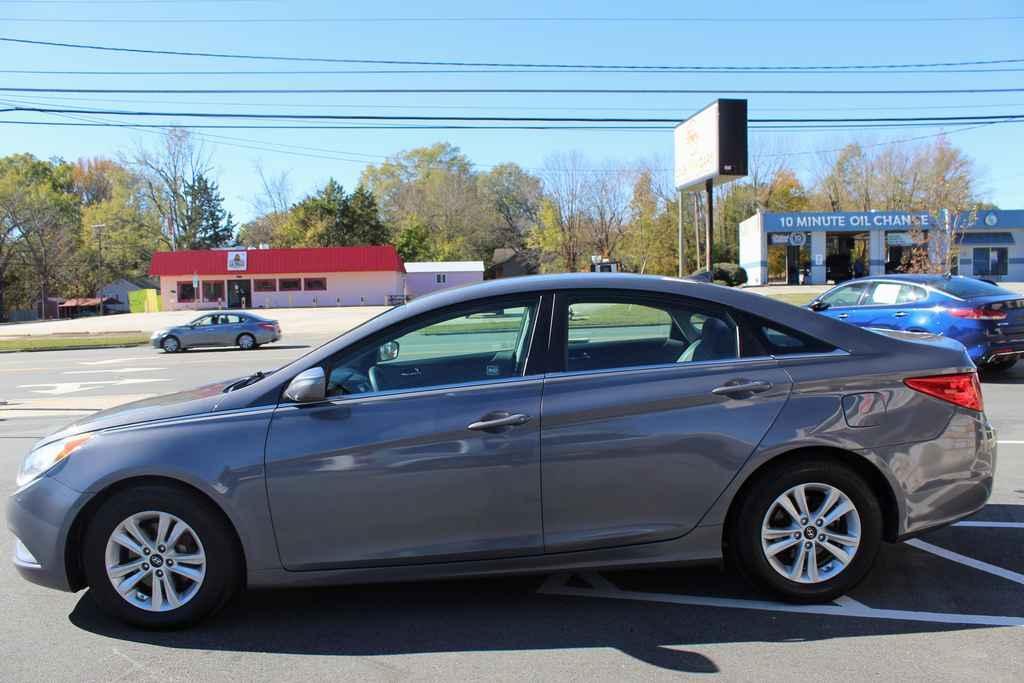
(278, 278)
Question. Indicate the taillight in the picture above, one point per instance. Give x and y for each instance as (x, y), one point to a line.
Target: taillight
(979, 313)
(962, 389)
(267, 326)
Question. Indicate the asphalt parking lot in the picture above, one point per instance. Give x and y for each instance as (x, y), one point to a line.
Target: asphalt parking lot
(947, 606)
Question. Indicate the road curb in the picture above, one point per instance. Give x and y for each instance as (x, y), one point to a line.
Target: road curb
(84, 347)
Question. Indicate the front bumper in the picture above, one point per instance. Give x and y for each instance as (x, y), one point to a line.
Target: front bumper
(40, 517)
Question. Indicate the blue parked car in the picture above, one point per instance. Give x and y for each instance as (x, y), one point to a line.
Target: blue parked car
(984, 317)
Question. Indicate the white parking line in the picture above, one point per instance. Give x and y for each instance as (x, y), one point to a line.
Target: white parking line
(993, 525)
(967, 561)
(558, 585)
(110, 370)
(1010, 443)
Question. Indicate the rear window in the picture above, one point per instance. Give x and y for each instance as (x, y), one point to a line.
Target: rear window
(968, 288)
(777, 340)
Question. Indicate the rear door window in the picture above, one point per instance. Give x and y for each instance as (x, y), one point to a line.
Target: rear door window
(884, 294)
(614, 333)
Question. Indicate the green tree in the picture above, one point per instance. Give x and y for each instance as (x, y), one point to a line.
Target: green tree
(40, 214)
(413, 242)
(206, 223)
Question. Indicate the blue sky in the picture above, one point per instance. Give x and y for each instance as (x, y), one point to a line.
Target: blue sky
(879, 38)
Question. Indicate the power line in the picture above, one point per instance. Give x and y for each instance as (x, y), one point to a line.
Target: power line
(464, 71)
(512, 65)
(508, 19)
(509, 91)
(489, 127)
(328, 154)
(46, 99)
(514, 119)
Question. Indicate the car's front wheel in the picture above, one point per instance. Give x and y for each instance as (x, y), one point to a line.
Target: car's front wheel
(160, 557)
(171, 345)
(808, 531)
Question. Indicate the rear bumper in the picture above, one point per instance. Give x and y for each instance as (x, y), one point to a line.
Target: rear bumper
(40, 516)
(941, 481)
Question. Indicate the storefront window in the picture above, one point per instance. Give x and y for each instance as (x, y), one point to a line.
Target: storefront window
(315, 284)
(265, 285)
(991, 260)
(846, 255)
(213, 291)
(289, 284)
(186, 292)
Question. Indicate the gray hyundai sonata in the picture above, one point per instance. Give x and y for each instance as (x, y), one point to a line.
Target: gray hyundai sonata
(539, 424)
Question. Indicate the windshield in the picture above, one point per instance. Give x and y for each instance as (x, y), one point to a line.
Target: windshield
(969, 288)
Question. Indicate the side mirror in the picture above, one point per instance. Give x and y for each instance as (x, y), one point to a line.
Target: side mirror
(388, 351)
(308, 386)
(817, 305)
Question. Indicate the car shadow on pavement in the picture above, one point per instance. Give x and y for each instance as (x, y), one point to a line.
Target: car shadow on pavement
(498, 615)
(264, 347)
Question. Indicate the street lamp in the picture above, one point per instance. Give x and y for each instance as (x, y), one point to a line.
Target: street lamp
(97, 230)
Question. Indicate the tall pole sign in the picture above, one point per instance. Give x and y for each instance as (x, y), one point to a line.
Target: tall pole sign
(710, 150)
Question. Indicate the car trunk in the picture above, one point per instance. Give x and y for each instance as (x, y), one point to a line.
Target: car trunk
(1012, 305)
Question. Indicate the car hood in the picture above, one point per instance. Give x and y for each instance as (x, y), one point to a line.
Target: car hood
(196, 401)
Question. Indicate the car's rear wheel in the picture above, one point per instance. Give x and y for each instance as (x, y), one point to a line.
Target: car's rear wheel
(808, 531)
(246, 342)
(998, 367)
(160, 557)
(171, 345)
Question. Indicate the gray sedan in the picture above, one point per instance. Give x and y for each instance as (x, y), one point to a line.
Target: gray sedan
(221, 328)
(541, 424)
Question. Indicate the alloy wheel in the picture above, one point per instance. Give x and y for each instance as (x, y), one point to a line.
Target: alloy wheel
(155, 561)
(811, 533)
(170, 345)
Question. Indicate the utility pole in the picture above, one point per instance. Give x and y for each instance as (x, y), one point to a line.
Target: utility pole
(97, 230)
(682, 250)
(709, 187)
(696, 226)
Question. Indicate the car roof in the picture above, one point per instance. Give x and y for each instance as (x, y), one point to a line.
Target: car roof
(835, 332)
(248, 314)
(920, 278)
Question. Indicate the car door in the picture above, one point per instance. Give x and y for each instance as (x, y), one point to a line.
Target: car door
(637, 446)
(895, 306)
(842, 301)
(403, 467)
(204, 331)
(229, 329)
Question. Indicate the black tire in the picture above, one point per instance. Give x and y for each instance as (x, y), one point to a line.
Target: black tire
(223, 562)
(175, 346)
(745, 545)
(998, 367)
(241, 343)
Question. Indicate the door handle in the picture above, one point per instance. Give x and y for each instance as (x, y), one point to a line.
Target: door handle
(900, 314)
(843, 315)
(499, 422)
(415, 372)
(755, 387)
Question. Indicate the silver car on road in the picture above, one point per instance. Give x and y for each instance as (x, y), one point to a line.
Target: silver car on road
(243, 329)
(541, 424)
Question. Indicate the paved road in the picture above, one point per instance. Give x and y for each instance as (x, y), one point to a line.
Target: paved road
(920, 615)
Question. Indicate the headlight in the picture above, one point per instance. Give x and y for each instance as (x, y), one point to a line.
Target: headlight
(43, 458)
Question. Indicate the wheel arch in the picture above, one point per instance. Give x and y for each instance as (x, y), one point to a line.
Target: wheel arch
(76, 533)
(861, 465)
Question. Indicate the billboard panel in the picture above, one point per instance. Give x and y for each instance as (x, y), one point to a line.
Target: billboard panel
(712, 144)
